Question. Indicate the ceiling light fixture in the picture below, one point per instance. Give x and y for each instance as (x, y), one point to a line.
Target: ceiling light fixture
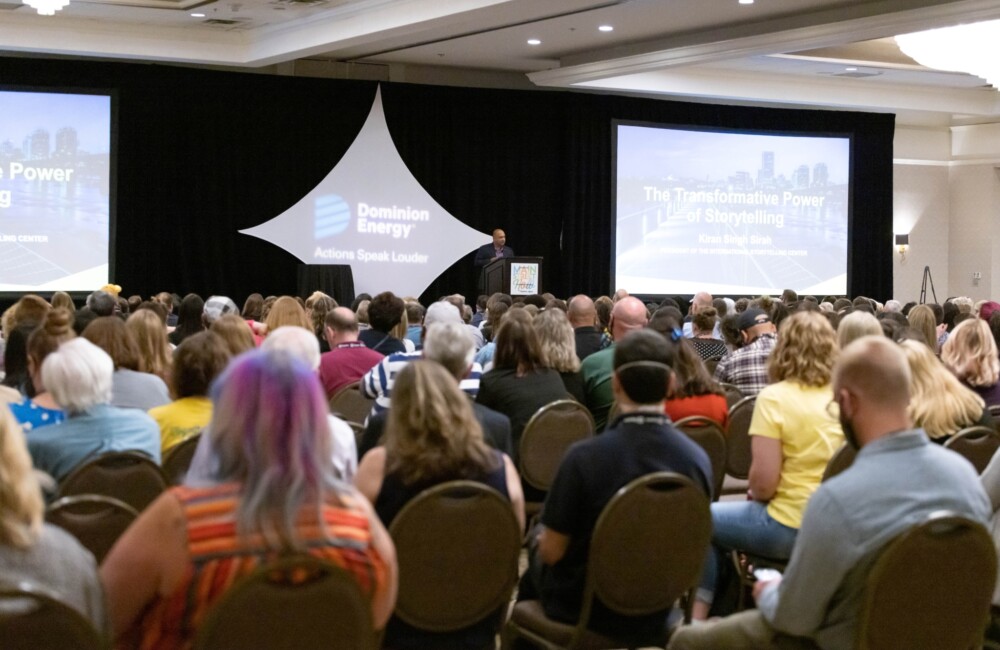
(606, 28)
(534, 41)
(850, 69)
(746, 2)
(46, 7)
(197, 15)
(973, 49)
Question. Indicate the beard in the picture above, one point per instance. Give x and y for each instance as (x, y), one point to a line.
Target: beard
(849, 433)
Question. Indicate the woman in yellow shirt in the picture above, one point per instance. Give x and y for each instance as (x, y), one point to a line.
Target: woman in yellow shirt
(793, 437)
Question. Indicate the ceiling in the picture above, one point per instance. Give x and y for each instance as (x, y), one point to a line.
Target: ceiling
(830, 53)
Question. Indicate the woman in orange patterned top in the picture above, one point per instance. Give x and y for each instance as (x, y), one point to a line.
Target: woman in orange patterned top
(274, 492)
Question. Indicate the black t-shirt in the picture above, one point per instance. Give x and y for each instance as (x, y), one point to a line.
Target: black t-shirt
(520, 397)
(589, 476)
(588, 341)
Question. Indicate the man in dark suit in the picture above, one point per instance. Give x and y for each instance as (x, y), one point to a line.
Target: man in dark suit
(489, 252)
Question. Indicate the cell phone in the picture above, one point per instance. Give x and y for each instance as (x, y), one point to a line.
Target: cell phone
(766, 574)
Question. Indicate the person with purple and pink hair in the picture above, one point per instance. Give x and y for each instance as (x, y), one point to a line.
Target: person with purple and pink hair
(272, 490)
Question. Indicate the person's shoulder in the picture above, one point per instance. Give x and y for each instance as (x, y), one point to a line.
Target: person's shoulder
(487, 415)
(598, 360)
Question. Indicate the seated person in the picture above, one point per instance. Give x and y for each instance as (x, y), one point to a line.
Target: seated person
(42, 410)
(385, 311)
(939, 403)
(641, 440)
(198, 360)
(274, 491)
(348, 359)
(432, 438)
(34, 551)
(79, 376)
(132, 386)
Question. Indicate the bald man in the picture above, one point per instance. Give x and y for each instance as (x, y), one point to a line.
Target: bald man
(348, 359)
(627, 315)
(583, 317)
(490, 252)
(897, 480)
(702, 300)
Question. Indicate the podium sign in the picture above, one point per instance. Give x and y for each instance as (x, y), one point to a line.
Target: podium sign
(517, 276)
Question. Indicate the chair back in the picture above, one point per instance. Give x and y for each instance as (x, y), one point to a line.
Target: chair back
(129, 476)
(351, 404)
(457, 545)
(96, 521)
(977, 444)
(296, 603)
(359, 432)
(648, 545)
(707, 434)
(738, 455)
(733, 395)
(930, 587)
(547, 436)
(34, 618)
(177, 461)
(841, 460)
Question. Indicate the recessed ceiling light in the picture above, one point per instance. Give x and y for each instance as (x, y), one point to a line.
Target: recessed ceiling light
(851, 69)
(746, 2)
(534, 41)
(606, 28)
(197, 15)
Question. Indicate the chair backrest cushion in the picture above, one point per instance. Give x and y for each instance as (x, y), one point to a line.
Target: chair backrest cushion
(738, 454)
(96, 521)
(547, 436)
(33, 618)
(129, 476)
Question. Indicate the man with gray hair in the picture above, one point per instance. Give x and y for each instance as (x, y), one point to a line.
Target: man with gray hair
(78, 375)
(449, 345)
(377, 382)
(102, 303)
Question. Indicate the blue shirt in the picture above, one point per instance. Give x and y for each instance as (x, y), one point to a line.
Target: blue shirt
(32, 416)
(59, 448)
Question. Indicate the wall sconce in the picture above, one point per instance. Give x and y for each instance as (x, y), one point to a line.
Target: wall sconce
(903, 244)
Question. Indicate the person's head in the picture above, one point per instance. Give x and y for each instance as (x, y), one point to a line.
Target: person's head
(415, 313)
(971, 353)
(450, 345)
(517, 345)
(854, 326)
(217, 306)
(871, 386)
(619, 295)
(499, 238)
(322, 305)
(23, 508)
(151, 338)
(165, 299)
(938, 401)
(441, 311)
(667, 321)
(730, 328)
(15, 357)
(235, 334)
(63, 300)
(431, 432)
(270, 432)
(789, 296)
(806, 350)
(922, 321)
(155, 308)
(252, 307)
(581, 311)
(603, 306)
(341, 326)
(721, 307)
(701, 300)
(385, 310)
(692, 378)
(189, 314)
(57, 328)
(30, 309)
(754, 322)
(102, 303)
(286, 311)
(642, 362)
(628, 314)
(198, 360)
(297, 341)
(703, 322)
(558, 342)
(110, 334)
(78, 375)
(399, 330)
(893, 306)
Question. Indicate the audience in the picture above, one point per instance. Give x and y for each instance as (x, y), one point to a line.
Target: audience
(583, 317)
(42, 409)
(132, 387)
(923, 323)
(627, 315)
(856, 325)
(385, 311)
(273, 491)
(432, 437)
(189, 320)
(558, 343)
(793, 437)
(33, 551)
(286, 311)
(639, 441)
(896, 480)
(79, 376)
(150, 335)
(704, 330)
(348, 359)
(746, 367)
(235, 334)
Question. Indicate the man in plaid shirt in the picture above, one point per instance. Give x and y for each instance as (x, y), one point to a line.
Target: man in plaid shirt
(746, 368)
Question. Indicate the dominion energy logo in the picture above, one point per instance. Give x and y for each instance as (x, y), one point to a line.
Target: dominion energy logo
(332, 216)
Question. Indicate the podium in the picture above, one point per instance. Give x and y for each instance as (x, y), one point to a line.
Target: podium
(517, 276)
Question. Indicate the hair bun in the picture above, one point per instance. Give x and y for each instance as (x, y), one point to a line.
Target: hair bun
(58, 322)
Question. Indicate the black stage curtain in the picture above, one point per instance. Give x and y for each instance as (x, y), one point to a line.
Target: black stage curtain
(203, 154)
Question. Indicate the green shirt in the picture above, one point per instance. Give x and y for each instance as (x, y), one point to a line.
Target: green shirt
(596, 370)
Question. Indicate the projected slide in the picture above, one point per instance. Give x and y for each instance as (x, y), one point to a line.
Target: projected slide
(730, 213)
(55, 155)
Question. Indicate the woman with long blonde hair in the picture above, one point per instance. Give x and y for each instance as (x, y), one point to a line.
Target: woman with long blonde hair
(154, 348)
(971, 354)
(555, 334)
(939, 403)
(432, 437)
(793, 436)
(923, 322)
(36, 552)
(286, 311)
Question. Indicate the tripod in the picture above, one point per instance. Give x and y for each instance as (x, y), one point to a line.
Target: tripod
(923, 286)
